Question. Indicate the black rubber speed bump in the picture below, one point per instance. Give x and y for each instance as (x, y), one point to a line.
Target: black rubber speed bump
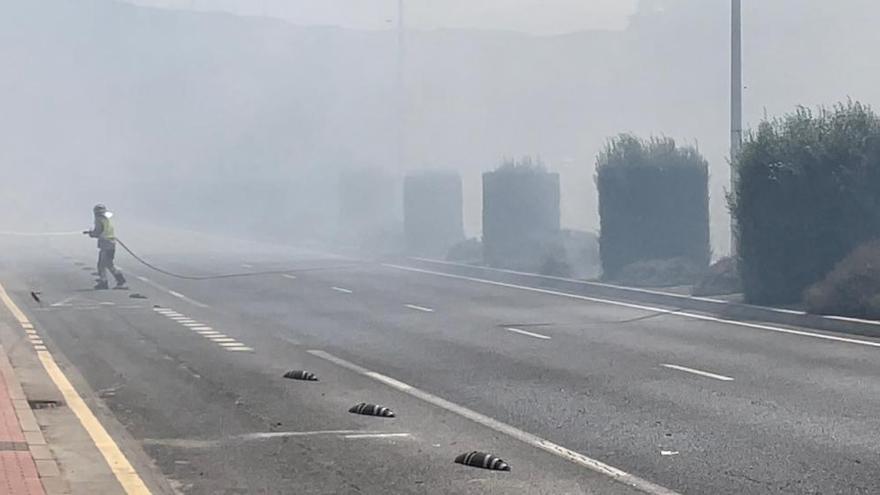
(372, 410)
(301, 375)
(482, 460)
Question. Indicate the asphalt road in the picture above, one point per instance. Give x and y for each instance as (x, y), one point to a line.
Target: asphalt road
(564, 389)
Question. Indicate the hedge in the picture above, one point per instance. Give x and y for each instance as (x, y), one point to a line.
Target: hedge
(808, 193)
(653, 203)
(432, 213)
(520, 214)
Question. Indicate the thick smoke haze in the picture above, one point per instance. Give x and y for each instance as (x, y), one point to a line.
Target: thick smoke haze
(231, 121)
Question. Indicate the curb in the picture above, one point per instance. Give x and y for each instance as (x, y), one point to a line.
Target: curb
(47, 467)
(722, 309)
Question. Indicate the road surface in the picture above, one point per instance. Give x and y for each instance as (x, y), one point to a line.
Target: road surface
(578, 396)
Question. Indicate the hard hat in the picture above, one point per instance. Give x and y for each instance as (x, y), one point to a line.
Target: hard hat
(99, 208)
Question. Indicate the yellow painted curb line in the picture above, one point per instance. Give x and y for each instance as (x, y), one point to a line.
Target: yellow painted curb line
(123, 470)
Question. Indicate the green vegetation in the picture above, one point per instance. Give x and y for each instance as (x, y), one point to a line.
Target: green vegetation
(808, 193)
(653, 205)
(432, 212)
(520, 215)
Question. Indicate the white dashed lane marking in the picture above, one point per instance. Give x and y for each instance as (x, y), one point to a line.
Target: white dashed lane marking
(698, 372)
(528, 334)
(419, 308)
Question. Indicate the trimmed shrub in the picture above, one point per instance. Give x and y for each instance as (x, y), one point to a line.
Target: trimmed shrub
(661, 273)
(467, 251)
(432, 213)
(367, 211)
(808, 193)
(852, 288)
(720, 279)
(520, 214)
(653, 203)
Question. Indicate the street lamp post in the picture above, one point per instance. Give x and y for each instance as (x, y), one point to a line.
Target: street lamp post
(399, 83)
(736, 87)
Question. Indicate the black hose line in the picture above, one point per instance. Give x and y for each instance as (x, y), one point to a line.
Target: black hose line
(228, 275)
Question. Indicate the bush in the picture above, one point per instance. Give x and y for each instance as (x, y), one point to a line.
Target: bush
(467, 251)
(660, 273)
(432, 212)
(520, 214)
(808, 193)
(653, 203)
(852, 288)
(721, 278)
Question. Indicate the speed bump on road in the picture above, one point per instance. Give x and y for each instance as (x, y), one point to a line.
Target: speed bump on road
(301, 375)
(372, 410)
(482, 460)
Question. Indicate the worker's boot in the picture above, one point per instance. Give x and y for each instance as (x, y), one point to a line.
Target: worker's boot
(120, 281)
(102, 285)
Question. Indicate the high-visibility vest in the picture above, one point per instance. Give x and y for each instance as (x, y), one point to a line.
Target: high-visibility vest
(107, 231)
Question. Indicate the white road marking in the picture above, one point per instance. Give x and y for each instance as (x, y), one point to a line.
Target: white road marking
(511, 431)
(668, 452)
(27, 326)
(221, 340)
(698, 372)
(231, 344)
(192, 325)
(529, 334)
(33, 336)
(419, 308)
(207, 332)
(39, 347)
(37, 342)
(173, 293)
(246, 265)
(285, 434)
(63, 302)
(340, 289)
(653, 309)
(107, 303)
(239, 349)
(202, 328)
(287, 275)
(376, 435)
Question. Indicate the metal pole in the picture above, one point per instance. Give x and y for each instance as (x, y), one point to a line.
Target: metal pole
(736, 86)
(401, 101)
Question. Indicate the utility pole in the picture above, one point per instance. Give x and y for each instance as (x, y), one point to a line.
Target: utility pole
(400, 90)
(736, 88)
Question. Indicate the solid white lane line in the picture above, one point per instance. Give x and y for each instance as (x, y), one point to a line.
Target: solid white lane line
(419, 308)
(173, 293)
(511, 431)
(528, 334)
(376, 435)
(698, 372)
(287, 275)
(340, 289)
(695, 316)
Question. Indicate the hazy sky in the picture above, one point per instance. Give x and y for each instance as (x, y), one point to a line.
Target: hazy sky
(533, 16)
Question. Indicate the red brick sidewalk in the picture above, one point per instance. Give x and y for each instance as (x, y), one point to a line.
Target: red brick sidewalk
(18, 470)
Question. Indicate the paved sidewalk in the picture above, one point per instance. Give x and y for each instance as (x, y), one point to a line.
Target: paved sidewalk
(20, 439)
